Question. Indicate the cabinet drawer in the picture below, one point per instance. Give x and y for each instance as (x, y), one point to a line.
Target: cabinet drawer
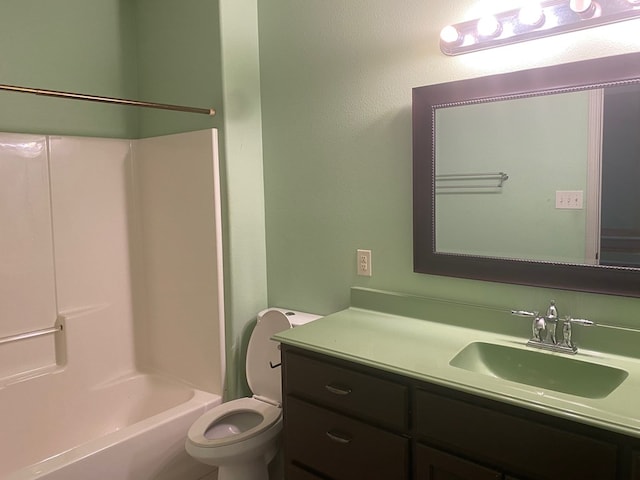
(516, 444)
(340, 447)
(293, 472)
(381, 401)
(432, 464)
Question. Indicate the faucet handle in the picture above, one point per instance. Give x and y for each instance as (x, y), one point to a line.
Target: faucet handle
(538, 327)
(580, 321)
(567, 341)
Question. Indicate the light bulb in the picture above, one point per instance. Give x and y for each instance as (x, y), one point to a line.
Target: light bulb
(580, 6)
(488, 26)
(449, 34)
(531, 14)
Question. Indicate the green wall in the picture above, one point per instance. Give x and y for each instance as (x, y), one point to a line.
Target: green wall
(244, 219)
(336, 80)
(179, 60)
(85, 46)
(163, 51)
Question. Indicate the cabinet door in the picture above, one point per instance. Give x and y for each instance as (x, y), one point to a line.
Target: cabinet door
(293, 472)
(432, 464)
(497, 438)
(339, 447)
(636, 466)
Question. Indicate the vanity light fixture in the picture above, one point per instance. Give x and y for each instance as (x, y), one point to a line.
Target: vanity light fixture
(581, 6)
(531, 14)
(534, 20)
(489, 27)
(450, 35)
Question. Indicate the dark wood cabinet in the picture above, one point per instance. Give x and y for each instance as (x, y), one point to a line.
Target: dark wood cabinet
(346, 421)
(519, 445)
(341, 447)
(342, 424)
(293, 472)
(432, 464)
(636, 465)
(361, 395)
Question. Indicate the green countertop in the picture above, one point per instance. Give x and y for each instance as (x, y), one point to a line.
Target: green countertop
(422, 349)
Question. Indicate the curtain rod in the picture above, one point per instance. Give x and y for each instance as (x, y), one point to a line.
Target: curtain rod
(95, 98)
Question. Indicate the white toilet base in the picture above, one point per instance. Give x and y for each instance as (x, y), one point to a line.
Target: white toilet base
(247, 471)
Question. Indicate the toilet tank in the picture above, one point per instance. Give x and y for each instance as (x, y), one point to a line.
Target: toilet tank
(295, 318)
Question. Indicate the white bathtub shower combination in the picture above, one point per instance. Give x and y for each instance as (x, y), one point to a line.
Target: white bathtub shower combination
(131, 429)
(116, 243)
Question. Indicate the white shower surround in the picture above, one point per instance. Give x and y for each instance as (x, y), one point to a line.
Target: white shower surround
(119, 242)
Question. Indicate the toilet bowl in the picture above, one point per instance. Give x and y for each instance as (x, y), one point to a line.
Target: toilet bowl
(240, 437)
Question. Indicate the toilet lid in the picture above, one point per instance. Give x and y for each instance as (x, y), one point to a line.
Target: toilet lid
(263, 356)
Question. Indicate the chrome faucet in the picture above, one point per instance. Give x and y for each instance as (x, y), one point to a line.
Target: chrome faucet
(544, 329)
(551, 319)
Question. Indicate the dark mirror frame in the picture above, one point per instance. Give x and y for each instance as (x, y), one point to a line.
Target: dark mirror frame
(426, 100)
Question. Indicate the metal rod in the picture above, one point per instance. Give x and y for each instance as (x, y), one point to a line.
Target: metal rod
(468, 186)
(95, 98)
(472, 176)
(501, 177)
(34, 333)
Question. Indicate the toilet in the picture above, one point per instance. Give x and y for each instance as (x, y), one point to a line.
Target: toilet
(240, 437)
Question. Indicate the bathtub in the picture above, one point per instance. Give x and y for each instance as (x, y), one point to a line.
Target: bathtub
(132, 428)
(117, 244)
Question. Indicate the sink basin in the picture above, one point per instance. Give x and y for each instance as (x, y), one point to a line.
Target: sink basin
(540, 369)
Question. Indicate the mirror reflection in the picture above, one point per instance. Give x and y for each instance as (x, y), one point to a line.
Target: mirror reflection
(551, 178)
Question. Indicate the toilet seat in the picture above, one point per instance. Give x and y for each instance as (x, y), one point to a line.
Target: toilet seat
(270, 415)
(262, 366)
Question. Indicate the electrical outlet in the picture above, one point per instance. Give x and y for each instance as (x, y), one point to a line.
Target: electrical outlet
(364, 263)
(569, 199)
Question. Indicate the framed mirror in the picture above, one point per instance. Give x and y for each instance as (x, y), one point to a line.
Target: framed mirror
(532, 177)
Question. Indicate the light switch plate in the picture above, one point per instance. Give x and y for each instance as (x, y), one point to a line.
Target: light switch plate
(569, 199)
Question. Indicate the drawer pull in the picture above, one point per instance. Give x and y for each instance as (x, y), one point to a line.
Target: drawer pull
(339, 437)
(336, 390)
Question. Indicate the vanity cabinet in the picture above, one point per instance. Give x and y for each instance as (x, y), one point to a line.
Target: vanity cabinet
(514, 444)
(337, 420)
(346, 421)
(432, 464)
